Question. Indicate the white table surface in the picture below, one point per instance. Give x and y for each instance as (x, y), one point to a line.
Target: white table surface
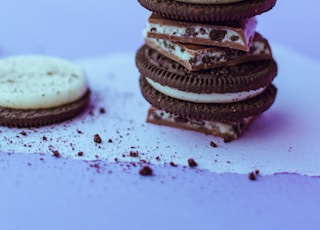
(97, 191)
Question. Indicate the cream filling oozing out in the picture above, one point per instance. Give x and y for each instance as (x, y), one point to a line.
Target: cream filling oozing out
(200, 32)
(205, 98)
(39, 82)
(210, 1)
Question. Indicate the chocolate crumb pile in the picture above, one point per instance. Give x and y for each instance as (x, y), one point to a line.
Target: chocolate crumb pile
(253, 175)
(213, 144)
(146, 171)
(97, 139)
(192, 163)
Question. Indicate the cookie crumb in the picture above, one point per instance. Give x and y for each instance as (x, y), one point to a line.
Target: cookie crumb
(44, 138)
(56, 154)
(110, 140)
(97, 139)
(79, 131)
(102, 110)
(134, 154)
(80, 154)
(173, 164)
(23, 133)
(192, 163)
(252, 176)
(146, 171)
(213, 144)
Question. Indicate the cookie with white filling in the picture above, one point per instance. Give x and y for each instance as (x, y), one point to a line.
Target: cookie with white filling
(40, 90)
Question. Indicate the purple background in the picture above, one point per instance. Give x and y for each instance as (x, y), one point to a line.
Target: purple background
(42, 192)
(75, 29)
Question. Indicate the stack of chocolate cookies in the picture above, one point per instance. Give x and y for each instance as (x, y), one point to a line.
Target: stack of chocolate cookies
(203, 65)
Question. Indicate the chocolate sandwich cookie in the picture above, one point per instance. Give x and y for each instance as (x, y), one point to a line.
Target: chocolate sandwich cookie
(198, 57)
(39, 90)
(217, 85)
(221, 112)
(209, 12)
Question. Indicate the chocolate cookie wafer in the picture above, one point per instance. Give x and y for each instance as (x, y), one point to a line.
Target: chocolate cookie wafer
(222, 112)
(40, 90)
(178, 10)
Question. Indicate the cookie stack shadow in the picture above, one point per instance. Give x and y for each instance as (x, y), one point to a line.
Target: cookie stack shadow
(204, 67)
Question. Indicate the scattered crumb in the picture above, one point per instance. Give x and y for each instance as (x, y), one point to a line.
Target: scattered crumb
(56, 154)
(102, 110)
(23, 133)
(79, 131)
(173, 164)
(192, 163)
(146, 171)
(80, 154)
(253, 175)
(134, 154)
(96, 166)
(44, 138)
(110, 140)
(97, 139)
(213, 144)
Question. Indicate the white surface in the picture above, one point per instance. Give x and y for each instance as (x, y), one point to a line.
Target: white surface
(284, 139)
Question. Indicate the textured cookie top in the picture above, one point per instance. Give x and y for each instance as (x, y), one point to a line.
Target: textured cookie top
(200, 12)
(233, 79)
(39, 82)
(210, 1)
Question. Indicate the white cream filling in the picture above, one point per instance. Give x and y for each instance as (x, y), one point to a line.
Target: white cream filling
(38, 82)
(203, 97)
(210, 1)
(199, 31)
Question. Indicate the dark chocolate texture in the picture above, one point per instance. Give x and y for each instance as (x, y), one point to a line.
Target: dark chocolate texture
(40, 117)
(206, 12)
(243, 77)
